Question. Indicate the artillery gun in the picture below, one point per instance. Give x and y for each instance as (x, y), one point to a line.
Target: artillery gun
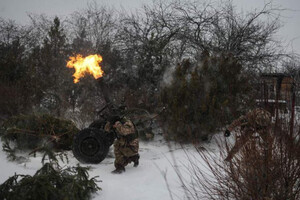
(91, 145)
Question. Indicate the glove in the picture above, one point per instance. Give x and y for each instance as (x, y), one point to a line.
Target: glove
(227, 133)
(107, 127)
(113, 119)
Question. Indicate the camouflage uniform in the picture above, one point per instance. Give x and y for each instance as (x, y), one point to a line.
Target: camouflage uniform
(127, 144)
(255, 121)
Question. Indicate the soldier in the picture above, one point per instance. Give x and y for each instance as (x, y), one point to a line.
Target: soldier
(255, 121)
(126, 145)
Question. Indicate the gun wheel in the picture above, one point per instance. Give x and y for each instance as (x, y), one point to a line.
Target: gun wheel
(89, 146)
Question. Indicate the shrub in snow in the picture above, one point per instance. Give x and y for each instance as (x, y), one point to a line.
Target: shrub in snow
(49, 184)
(262, 170)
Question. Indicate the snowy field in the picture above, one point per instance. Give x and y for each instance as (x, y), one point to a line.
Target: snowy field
(146, 182)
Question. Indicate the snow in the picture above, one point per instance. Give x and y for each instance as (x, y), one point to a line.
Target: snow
(145, 182)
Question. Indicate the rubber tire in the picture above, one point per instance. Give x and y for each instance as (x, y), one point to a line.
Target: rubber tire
(90, 145)
(100, 124)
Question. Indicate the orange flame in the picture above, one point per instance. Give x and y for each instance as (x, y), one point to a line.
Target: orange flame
(89, 64)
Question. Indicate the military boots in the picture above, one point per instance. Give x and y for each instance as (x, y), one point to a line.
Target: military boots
(119, 170)
(135, 160)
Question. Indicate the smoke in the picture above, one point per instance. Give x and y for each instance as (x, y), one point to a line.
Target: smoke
(168, 77)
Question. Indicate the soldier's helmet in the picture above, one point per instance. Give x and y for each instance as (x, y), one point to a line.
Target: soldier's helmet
(262, 118)
(113, 119)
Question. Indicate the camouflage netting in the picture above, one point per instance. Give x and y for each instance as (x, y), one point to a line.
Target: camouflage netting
(32, 131)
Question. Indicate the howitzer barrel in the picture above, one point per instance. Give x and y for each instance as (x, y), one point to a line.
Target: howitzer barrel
(104, 90)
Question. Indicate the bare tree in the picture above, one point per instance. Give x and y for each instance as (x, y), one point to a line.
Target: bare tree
(97, 22)
(147, 37)
(219, 28)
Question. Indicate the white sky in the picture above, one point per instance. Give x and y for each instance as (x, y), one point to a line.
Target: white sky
(19, 9)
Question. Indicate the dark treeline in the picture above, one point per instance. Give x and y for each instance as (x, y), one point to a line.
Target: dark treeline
(199, 60)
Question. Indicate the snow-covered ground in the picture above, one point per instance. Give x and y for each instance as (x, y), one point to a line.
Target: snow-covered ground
(145, 182)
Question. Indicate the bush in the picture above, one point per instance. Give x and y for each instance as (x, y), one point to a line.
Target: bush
(259, 171)
(204, 97)
(50, 184)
